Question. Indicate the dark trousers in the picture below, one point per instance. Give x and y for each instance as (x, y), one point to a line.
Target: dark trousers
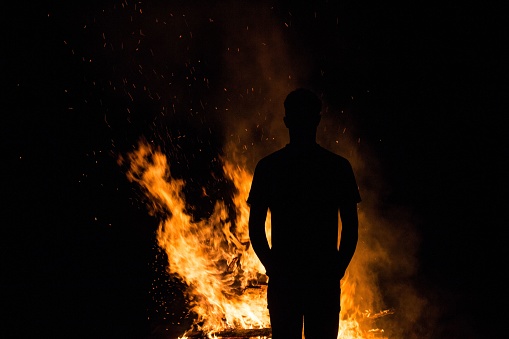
(312, 305)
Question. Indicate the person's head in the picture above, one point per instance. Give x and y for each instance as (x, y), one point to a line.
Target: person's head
(302, 109)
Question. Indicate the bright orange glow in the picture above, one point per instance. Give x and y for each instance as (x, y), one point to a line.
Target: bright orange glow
(214, 258)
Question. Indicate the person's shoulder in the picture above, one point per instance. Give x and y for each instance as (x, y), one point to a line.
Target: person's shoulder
(268, 162)
(333, 156)
(273, 157)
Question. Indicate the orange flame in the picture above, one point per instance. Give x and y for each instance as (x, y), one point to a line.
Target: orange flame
(214, 258)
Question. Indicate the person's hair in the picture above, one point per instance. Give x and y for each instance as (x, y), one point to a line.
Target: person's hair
(302, 107)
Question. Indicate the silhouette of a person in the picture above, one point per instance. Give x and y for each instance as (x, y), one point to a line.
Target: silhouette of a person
(305, 187)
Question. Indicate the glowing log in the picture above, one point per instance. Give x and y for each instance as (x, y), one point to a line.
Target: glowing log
(234, 333)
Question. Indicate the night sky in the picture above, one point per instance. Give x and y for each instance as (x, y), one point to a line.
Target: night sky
(422, 86)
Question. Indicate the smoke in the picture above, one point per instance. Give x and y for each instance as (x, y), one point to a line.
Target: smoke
(384, 270)
(208, 81)
(262, 68)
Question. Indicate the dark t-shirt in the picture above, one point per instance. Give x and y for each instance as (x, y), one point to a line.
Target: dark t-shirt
(303, 187)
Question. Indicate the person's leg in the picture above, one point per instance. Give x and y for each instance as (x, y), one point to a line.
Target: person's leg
(321, 324)
(285, 308)
(322, 307)
(286, 324)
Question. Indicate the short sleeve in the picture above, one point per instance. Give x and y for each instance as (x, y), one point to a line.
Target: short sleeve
(259, 186)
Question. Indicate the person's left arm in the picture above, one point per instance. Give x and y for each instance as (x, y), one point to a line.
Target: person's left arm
(349, 234)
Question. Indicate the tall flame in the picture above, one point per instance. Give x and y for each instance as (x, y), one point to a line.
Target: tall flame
(213, 257)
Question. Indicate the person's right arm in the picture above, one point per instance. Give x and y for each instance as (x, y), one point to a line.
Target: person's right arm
(257, 216)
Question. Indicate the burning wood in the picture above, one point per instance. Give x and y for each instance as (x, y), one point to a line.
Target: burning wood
(267, 332)
(380, 314)
(234, 333)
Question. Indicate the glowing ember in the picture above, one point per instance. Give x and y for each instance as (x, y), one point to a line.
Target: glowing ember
(225, 279)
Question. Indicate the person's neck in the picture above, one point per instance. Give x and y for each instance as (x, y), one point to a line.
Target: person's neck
(302, 142)
(302, 137)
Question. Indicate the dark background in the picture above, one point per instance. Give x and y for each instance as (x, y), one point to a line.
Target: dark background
(77, 245)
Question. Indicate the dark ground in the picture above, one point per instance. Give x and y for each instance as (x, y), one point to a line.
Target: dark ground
(440, 78)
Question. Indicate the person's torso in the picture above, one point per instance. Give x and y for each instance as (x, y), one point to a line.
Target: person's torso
(304, 192)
